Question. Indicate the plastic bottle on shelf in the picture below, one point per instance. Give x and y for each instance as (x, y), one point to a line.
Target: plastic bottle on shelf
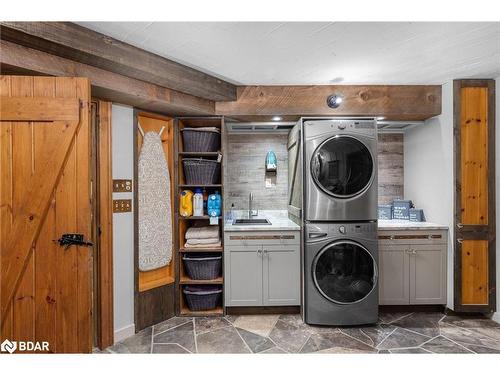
(198, 202)
(214, 204)
(186, 203)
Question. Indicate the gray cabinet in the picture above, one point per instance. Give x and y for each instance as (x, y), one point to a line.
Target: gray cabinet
(262, 269)
(412, 267)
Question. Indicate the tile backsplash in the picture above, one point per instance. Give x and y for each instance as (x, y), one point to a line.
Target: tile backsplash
(245, 170)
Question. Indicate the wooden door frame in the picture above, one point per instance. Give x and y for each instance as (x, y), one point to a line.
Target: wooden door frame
(469, 232)
(103, 251)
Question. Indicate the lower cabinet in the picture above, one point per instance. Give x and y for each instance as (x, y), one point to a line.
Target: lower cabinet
(412, 267)
(262, 270)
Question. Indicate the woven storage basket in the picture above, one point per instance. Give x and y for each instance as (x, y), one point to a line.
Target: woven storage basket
(202, 297)
(199, 140)
(201, 171)
(203, 266)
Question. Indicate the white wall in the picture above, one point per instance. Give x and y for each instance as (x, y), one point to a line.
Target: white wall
(123, 224)
(496, 316)
(428, 171)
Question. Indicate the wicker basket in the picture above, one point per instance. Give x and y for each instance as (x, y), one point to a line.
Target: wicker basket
(203, 266)
(202, 297)
(200, 140)
(201, 171)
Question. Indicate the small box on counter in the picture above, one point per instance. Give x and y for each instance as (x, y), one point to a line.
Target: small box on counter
(385, 211)
(401, 209)
(417, 214)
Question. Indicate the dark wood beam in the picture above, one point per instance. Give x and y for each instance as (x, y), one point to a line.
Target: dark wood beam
(86, 46)
(405, 103)
(105, 85)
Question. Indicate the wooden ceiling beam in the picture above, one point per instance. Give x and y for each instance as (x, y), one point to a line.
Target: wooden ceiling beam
(393, 102)
(86, 46)
(105, 85)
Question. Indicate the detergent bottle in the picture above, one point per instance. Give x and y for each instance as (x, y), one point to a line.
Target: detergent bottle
(186, 203)
(214, 204)
(198, 202)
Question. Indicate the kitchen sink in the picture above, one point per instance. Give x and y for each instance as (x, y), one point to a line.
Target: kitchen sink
(251, 222)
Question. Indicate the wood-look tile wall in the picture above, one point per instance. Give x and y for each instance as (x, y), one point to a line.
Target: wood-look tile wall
(245, 170)
(390, 167)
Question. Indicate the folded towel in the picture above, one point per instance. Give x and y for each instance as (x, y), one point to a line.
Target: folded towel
(203, 246)
(197, 241)
(209, 231)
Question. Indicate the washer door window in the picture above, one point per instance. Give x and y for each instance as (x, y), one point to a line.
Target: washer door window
(342, 166)
(344, 272)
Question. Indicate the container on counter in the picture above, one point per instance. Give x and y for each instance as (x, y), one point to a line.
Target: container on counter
(401, 209)
(186, 203)
(417, 214)
(385, 211)
(198, 203)
(214, 204)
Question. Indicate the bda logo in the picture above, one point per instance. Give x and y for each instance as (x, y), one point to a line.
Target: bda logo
(8, 346)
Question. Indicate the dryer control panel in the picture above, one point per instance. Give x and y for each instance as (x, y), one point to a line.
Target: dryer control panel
(326, 231)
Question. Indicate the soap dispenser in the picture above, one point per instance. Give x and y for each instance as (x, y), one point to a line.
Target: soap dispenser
(271, 162)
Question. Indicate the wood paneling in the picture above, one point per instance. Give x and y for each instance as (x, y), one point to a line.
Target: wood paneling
(474, 155)
(392, 102)
(78, 43)
(474, 163)
(475, 272)
(44, 193)
(41, 109)
(105, 85)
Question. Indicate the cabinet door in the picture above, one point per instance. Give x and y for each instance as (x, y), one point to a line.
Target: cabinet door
(394, 288)
(281, 278)
(427, 274)
(243, 273)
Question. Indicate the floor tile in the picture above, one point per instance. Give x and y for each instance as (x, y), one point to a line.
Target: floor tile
(170, 323)
(274, 350)
(258, 324)
(441, 344)
(424, 323)
(468, 336)
(335, 342)
(402, 338)
(409, 351)
(256, 343)
(493, 333)
(470, 321)
(169, 349)
(482, 349)
(370, 335)
(182, 335)
(224, 340)
(389, 317)
(294, 319)
(289, 337)
(139, 343)
(208, 324)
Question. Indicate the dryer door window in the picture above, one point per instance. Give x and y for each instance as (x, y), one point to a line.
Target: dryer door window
(342, 166)
(344, 272)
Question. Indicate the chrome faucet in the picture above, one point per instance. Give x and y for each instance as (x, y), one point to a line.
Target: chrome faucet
(250, 206)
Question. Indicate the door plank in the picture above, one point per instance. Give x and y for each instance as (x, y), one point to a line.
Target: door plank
(475, 272)
(474, 155)
(17, 108)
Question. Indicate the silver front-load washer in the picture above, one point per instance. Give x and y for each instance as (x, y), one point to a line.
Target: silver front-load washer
(340, 273)
(340, 170)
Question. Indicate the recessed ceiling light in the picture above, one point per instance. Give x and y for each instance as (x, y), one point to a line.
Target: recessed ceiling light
(277, 118)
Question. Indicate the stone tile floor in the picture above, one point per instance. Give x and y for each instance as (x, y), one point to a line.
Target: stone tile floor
(418, 332)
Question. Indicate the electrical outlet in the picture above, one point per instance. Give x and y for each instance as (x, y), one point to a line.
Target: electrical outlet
(122, 186)
(122, 205)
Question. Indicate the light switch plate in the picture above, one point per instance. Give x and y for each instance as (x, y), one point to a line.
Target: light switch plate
(122, 186)
(122, 205)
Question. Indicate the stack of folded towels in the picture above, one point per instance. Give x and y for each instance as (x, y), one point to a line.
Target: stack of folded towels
(206, 236)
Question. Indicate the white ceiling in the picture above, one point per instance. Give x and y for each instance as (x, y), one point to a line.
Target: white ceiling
(287, 53)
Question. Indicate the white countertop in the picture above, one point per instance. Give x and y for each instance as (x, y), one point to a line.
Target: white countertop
(278, 218)
(408, 225)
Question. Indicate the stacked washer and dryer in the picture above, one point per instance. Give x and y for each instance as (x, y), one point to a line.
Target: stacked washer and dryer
(333, 194)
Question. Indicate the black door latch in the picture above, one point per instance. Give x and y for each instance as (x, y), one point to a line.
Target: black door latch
(69, 239)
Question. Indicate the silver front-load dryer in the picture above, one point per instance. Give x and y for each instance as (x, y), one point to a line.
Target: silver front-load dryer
(340, 170)
(340, 273)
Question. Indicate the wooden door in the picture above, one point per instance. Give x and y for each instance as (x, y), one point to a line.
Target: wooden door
(394, 279)
(243, 273)
(474, 128)
(281, 275)
(45, 192)
(428, 274)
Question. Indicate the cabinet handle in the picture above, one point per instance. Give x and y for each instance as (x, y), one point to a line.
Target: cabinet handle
(259, 252)
(265, 252)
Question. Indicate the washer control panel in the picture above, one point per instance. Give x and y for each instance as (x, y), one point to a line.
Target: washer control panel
(322, 231)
